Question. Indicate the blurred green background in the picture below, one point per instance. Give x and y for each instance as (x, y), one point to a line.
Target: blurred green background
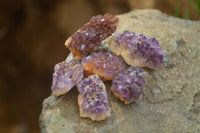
(32, 36)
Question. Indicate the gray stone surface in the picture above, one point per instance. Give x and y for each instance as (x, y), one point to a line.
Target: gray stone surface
(171, 102)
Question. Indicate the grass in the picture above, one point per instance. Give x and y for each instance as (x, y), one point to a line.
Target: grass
(195, 4)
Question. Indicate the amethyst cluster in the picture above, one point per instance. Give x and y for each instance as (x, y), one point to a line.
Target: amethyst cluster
(92, 100)
(137, 49)
(104, 64)
(128, 86)
(88, 38)
(67, 74)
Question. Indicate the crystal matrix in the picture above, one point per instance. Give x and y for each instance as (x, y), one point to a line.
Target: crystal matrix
(92, 100)
(128, 86)
(67, 74)
(88, 38)
(104, 64)
(137, 49)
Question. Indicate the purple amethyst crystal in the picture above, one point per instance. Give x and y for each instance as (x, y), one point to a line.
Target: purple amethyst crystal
(66, 75)
(128, 86)
(92, 100)
(104, 64)
(137, 49)
(88, 38)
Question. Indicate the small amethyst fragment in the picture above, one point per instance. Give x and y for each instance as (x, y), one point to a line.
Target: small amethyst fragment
(88, 38)
(128, 86)
(67, 74)
(137, 49)
(104, 64)
(92, 100)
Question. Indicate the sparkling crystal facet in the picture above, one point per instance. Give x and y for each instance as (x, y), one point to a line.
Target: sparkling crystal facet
(104, 64)
(137, 49)
(88, 38)
(128, 86)
(66, 75)
(93, 101)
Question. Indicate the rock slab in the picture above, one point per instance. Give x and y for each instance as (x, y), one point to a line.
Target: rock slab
(171, 102)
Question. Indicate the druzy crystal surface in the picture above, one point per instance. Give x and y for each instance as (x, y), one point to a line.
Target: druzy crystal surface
(93, 101)
(88, 38)
(137, 49)
(66, 75)
(104, 64)
(128, 86)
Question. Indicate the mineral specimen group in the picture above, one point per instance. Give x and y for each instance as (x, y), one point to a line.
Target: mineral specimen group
(67, 74)
(137, 49)
(128, 86)
(88, 38)
(92, 100)
(104, 64)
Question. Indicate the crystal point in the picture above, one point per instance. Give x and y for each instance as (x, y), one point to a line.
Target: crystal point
(66, 75)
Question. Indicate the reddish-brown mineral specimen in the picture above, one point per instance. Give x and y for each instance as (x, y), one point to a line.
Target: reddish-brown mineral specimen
(128, 86)
(88, 38)
(104, 64)
(67, 74)
(137, 49)
(92, 100)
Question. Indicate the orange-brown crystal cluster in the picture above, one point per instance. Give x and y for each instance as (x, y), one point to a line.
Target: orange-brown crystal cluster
(104, 64)
(88, 38)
